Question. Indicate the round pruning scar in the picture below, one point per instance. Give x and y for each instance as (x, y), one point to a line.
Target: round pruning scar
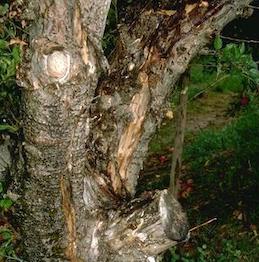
(58, 65)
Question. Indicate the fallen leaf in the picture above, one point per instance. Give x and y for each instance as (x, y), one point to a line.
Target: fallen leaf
(17, 41)
(169, 114)
(162, 159)
(237, 214)
(24, 24)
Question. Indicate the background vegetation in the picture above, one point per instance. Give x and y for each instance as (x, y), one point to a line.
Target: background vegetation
(220, 174)
(11, 35)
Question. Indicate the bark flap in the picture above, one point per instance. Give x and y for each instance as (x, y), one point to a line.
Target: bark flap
(86, 134)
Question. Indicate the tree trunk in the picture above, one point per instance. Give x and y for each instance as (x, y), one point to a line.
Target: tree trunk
(87, 126)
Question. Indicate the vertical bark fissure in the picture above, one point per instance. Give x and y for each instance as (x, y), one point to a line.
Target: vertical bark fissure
(69, 214)
(162, 53)
(59, 85)
(83, 158)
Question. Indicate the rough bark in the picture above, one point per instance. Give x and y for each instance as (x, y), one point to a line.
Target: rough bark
(59, 84)
(85, 142)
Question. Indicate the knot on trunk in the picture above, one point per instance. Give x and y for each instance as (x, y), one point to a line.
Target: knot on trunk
(58, 65)
(51, 63)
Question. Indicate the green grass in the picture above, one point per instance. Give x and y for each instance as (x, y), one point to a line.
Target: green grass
(222, 160)
(236, 147)
(224, 165)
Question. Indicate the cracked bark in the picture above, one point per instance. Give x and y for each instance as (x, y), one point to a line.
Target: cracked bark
(85, 140)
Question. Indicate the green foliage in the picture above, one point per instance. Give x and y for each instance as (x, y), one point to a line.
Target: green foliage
(234, 61)
(229, 68)
(229, 156)
(8, 128)
(224, 164)
(3, 9)
(5, 202)
(10, 57)
(6, 247)
(6, 234)
(218, 43)
(202, 255)
(228, 251)
(110, 35)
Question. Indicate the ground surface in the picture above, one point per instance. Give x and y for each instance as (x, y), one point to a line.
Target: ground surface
(234, 237)
(208, 111)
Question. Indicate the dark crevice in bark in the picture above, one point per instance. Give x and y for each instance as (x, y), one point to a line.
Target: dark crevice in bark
(85, 144)
(157, 47)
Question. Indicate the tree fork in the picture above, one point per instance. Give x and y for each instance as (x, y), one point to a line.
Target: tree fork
(85, 142)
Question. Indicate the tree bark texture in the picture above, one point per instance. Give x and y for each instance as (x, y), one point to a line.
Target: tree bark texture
(87, 127)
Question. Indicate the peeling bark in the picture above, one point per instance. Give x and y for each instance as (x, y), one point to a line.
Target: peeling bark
(157, 48)
(85, 141)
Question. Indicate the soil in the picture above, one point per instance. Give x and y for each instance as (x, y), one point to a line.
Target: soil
(209, 111)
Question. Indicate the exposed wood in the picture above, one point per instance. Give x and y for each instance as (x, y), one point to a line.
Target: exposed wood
(86, 138)
(59, 82)
(138, 231)
(159, 47)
